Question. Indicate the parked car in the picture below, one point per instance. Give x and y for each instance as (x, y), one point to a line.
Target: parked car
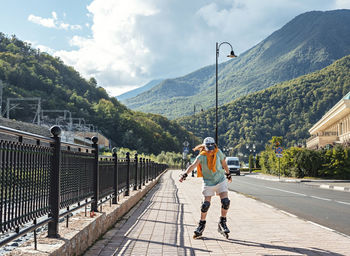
(233, 165)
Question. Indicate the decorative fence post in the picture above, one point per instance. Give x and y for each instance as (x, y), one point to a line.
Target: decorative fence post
(54, 198)
(135, 185)
(96, 188)
(140, 185)
(149, 169)
(115, 178)
(127, 191)
(144, 171)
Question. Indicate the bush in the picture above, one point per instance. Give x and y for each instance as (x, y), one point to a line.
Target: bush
(267, 162)
(336, 163)
(170, 158)
(301, 162)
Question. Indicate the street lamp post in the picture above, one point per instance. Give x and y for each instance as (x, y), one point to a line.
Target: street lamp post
(194, 115)
(184, 154)
(231, 55)
(250, 152)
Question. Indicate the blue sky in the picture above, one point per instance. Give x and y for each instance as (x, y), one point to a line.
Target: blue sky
(126, 43)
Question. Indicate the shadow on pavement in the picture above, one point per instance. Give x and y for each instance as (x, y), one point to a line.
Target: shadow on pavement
(178, 241)
(313, 251)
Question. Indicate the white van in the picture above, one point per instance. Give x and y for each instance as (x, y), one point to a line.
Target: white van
(233, 165)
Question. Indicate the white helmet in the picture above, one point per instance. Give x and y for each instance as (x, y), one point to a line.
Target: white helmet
(209, 143)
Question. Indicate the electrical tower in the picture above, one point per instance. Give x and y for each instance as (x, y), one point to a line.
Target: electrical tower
(66, 115)
(10, 106)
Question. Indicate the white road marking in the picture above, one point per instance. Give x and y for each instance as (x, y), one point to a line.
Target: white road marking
(341, 202)
(286, 191)
(318, 225)
(289, 214)
(321, 198)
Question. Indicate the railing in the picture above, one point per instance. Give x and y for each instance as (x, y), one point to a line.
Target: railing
(311, 137)
(44, 179)
(324, 134)
(330, 134)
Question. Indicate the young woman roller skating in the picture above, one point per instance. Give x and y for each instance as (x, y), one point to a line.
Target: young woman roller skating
(212, 167)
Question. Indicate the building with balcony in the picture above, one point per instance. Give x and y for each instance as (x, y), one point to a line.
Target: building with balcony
(333, 127)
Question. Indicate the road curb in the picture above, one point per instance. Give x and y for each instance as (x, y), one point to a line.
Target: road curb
(335, 187)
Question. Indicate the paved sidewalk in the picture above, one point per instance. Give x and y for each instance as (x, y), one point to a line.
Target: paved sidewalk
(163, 224)
(341, 185)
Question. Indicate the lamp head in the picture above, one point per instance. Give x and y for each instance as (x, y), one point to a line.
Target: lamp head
(232, 55)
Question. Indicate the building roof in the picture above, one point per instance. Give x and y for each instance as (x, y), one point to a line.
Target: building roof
(347, 96)
(338, 111)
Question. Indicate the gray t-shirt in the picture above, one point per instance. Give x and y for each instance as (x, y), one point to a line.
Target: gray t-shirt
(211, 178)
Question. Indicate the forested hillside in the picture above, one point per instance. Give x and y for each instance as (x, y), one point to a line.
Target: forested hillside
(309, 42)
(288, 109)
(27, 72)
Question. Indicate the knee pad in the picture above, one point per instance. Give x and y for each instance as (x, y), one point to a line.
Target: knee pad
(225, 203)
(205, 206)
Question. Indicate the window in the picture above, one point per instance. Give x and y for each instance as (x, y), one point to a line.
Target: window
(232, 162)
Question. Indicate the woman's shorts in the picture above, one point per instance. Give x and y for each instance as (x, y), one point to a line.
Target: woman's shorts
(218, 188)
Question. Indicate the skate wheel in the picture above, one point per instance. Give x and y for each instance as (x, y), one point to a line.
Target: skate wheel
(196, 236)
(226, 235)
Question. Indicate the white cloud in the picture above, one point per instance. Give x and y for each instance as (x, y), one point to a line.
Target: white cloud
(42, 48)
(49, 23)
(52, 22)
(116, 53)
(342, 4)
(64, 26)
(54, 15)
(135, 41)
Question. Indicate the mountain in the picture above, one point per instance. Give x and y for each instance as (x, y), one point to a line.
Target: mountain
(137, 91)
(288, 109)
(309, 42)
(27, 72)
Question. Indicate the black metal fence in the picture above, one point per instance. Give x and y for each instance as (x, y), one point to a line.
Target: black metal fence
(44, 179)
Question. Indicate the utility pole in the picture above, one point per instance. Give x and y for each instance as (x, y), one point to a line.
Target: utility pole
(1, 87)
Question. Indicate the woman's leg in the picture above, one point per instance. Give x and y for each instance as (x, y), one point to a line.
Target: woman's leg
(225, 204)
(205, 207)
(223, 210)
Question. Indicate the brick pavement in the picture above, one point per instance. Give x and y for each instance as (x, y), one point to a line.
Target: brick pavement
(163, 223)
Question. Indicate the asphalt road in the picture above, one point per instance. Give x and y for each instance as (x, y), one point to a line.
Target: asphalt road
(328, 208)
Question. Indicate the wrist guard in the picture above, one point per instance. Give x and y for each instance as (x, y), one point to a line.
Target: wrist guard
(228, 175)
(184, 176)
